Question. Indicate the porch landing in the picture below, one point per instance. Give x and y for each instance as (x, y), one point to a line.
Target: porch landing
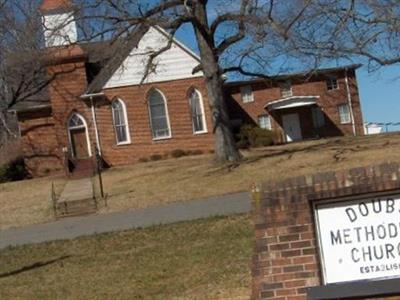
(77, 198)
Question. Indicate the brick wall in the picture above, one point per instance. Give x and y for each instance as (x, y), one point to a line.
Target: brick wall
(65, 90)
(285, 261)
(268, 91)
(39, 146)
(142, 144)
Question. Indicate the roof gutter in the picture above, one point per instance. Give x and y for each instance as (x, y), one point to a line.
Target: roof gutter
(349, 100)
(93, 109)
(28, 109)
(91, 95)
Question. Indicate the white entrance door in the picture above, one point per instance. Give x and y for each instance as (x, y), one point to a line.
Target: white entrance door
(291, 127)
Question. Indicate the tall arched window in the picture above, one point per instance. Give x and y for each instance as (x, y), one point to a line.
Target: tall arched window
(158, 112)
(197, 111)
(120, 121)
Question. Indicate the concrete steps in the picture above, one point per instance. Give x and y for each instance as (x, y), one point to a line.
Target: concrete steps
(76, 199)
(76, 207)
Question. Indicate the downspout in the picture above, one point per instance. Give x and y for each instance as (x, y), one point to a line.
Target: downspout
(95, 125)
(349, 100)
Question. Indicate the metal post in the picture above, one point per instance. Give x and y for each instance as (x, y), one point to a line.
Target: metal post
(99, 168)
(53, 198)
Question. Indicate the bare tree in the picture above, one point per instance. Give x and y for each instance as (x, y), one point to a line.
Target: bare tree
(366, 30)
(236, 36)
(23, 75)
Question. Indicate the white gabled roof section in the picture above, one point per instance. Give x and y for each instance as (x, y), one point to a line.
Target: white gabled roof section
(289, 102)
(175, 63)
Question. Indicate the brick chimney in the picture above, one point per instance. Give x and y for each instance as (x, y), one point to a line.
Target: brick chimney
(58, 23)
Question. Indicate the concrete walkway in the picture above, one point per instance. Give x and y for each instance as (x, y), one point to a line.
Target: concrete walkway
(171, 213)
(78, 189)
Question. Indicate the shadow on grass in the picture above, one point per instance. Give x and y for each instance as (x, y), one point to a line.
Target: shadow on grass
(339, 145)
(33, 266)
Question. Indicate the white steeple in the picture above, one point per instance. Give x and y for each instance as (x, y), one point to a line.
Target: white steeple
(58, 23)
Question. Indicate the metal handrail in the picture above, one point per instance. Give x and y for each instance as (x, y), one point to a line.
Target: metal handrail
(54, 199)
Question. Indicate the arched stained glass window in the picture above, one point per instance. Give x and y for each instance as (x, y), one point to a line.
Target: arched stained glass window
(197, 111)
(120, 122)
(158, 113)
(75, 122)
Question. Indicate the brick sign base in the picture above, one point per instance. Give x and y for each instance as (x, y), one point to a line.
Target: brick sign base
(286, 263)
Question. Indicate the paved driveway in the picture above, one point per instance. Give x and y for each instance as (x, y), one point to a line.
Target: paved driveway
(80, 226)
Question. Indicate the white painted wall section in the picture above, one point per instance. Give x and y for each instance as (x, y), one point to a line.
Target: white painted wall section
(60, 29)
(175, 63)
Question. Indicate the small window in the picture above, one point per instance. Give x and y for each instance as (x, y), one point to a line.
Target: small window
(247, 94)
(332, 84)
(120, 122)
(286, 89)
(158, 113)
(264, 122)
(318, 117)
(197, 111)
(344, 113)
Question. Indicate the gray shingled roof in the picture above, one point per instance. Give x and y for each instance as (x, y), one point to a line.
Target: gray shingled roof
(295, 75)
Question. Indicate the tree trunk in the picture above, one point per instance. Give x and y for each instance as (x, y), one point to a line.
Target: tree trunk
(225, 146)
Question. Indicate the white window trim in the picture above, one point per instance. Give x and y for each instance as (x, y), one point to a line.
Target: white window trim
(269, 121)
(289, 91)
(78, 127)
(167, 115)
(242, 93)
(330, 80)
(203, 116)
(348, 113)
(127, 131)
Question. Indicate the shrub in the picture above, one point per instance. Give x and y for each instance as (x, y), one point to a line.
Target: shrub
(156, 157)
(13, 171)
(178, 153)
(143, 159)
(196, 152)
(251, 136)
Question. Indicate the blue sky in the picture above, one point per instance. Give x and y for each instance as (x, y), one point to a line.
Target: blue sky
(380, 94)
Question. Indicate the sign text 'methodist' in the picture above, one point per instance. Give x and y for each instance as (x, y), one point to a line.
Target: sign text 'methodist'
(370, 233)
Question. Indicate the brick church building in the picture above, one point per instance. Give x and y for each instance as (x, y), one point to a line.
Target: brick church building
(98, 102)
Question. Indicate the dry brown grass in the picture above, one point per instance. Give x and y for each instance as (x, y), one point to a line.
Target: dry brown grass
(205, 259)
(186, 178)
(27, 202)
(153, 183)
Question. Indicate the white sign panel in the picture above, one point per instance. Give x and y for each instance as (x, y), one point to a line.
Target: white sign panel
(360, 239)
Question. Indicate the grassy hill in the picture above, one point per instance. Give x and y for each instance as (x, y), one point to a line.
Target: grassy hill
(192, 177)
